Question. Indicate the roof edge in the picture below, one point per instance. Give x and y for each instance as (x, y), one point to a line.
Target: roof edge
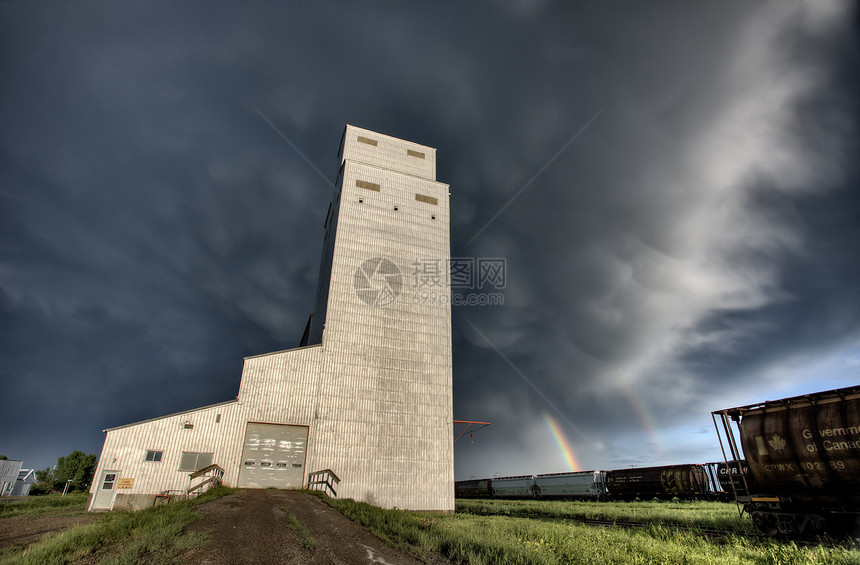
(235, 400)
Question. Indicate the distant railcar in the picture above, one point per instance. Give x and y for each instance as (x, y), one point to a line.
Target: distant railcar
(522, 486)
(473, 489)
(681, 481)
(582, 484)
(804, 458)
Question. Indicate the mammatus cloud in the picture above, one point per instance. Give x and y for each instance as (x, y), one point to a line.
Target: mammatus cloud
(700, 260)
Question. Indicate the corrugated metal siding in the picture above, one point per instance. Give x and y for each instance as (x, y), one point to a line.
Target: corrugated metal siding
(386, 418)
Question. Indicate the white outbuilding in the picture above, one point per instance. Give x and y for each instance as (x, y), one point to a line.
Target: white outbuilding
(365, 404)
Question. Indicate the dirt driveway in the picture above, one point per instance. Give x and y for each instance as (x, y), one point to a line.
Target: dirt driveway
(251, 527)
(24, 530)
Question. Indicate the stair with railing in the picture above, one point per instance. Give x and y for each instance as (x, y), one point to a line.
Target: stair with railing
(324, 480)
(212, 476)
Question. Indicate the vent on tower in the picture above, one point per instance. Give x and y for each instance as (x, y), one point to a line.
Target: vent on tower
(367, 185)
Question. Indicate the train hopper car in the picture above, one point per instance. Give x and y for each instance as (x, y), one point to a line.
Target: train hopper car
(681, 481)
(580, 484)
(804, 457)
(481, 488)
(514, 487)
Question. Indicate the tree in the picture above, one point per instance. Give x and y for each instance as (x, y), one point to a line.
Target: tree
(44, 482)
(77, 468)
(3, 457)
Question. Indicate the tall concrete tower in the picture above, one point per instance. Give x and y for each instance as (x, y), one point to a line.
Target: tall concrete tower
(384, 319)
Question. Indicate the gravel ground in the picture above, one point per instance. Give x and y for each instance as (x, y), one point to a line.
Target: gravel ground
(251, 527)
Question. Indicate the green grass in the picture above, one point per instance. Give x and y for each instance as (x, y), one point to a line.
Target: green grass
(70, 504)
(121, 538)
(708, 515)
(308, 542)
(489, 539)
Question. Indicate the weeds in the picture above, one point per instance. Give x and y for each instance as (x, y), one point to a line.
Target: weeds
(122, 538)
(69, 505)
(712, 515)
(478, 538)
(308, 542)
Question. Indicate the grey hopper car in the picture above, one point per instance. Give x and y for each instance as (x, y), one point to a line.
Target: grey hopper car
(522, 486)
(582, 484)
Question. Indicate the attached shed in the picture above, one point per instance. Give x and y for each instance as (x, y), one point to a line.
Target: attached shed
(9, 469)
(26, 478)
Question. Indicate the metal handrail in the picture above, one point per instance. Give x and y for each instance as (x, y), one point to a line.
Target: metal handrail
(324, 480)
(214, 479)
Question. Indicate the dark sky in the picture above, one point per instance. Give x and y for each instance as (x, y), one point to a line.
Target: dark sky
(671, 185)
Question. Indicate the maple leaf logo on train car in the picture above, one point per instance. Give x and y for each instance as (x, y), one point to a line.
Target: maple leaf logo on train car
(776, 442)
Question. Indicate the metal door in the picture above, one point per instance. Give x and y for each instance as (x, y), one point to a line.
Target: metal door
(273, 455)
(103, 499)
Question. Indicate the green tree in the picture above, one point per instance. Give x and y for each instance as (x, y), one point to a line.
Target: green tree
(3, 457)
(77, 468)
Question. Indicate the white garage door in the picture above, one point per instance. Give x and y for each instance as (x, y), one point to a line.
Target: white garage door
(273, 456)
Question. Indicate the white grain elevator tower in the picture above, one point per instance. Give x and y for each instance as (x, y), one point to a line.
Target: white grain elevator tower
(367, 394)
(384, 419)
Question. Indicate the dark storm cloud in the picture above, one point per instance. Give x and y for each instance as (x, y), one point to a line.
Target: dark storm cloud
(155, 229)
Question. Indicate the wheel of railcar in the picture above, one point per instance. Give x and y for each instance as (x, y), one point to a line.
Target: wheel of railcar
(765, 523)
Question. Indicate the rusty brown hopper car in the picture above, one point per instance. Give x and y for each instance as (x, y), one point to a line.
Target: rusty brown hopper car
(473, 489)
(804, 457)
(681, 481)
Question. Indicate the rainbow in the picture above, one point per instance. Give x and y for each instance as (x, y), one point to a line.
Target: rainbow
(645, 417)
(561, 441)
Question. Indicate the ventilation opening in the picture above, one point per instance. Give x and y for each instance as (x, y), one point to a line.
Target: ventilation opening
(361, 200)
(396, 208)
(433, 217)
(368, 185)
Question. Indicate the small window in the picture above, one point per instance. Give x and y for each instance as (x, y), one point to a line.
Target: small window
(282, 464)
(412, 153)
(367, 140)
(427, 199)
(154, 456)
(368, 185)
(108, 482)
(249, 463)
(192, 461)
(217, 418)
(265, 464)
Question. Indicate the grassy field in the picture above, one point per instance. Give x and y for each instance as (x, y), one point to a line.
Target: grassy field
(466, 537)
(118, 538)
(707, 515)
(53, 504)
